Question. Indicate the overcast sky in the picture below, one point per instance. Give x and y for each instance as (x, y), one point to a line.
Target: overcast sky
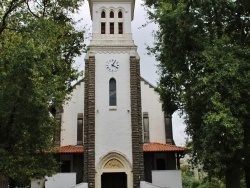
(142, 37)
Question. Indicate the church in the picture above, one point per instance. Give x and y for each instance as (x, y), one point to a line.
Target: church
(113, 132)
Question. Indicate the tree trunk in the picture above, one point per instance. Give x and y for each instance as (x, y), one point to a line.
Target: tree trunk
(3, 181)
(233, 178)
(247, 176)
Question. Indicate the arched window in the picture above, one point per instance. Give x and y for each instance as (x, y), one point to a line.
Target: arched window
(120, 14)
(111, 28)
(112, 92)
(103, 15)
(111, 14)
(103, 28)
(120, 28)
(79, 129)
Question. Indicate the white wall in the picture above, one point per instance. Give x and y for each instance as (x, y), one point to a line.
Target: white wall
(61, 180)
(69, 117)
(113, 124)
(37, 183)
(108, 39)
(144, 184)
(54, 182)
(167, 178)
(97, 8)
(81, 185)
(151, 104)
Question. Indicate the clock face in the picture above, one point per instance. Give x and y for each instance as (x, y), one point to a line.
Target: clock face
(112, 65)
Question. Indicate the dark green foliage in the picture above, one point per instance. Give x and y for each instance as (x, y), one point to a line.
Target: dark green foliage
(197, 178)
(38, 44)
(204, 52)
(190, 181)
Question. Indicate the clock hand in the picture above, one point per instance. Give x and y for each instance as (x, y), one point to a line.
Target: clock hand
(113, 63)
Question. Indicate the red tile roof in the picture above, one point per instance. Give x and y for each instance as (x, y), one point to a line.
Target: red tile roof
(151, 147)
(158, 147)
(70, 149)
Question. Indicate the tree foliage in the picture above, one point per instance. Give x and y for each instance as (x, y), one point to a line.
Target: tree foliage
(196, 178)
(38, 44)
(204, 52)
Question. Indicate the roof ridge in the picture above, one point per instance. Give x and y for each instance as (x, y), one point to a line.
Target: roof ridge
(148, 83)
(78, 83)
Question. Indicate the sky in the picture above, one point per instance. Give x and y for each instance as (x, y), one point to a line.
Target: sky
(142, 36)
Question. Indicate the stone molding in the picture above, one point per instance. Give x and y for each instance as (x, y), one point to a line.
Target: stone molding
(116, 41)
(114, 155)
(113, 50)
(113, 164)
(118, 157)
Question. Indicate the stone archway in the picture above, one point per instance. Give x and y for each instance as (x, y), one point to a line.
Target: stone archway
(112, 169)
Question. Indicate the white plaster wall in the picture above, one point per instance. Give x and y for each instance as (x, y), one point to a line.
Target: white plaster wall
(37, 183)
(69, 117)
(167, 178)
(61, 180)
(151, 104)
(144, 184)
(54, 181)
(81, 185)
(115, 39)
(113, 126)
(98, 6)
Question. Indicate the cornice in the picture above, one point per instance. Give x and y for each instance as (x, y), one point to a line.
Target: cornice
(93, 50)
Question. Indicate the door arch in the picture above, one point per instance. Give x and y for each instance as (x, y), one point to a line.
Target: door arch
(112, 166)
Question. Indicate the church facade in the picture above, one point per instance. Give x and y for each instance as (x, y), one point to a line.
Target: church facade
(113, 132)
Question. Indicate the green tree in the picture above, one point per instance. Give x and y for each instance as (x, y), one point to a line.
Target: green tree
(190, 180)
(204, 52)
(38, 44)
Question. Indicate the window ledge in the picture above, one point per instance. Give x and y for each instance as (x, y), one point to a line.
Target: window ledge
(112, 108)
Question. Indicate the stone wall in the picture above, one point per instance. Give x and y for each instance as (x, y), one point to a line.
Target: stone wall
(89, 123)
(136, 122)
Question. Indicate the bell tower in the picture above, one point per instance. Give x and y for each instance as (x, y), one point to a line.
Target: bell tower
(112, 110)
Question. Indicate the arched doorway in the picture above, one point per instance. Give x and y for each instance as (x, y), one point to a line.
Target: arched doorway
(114, 171)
